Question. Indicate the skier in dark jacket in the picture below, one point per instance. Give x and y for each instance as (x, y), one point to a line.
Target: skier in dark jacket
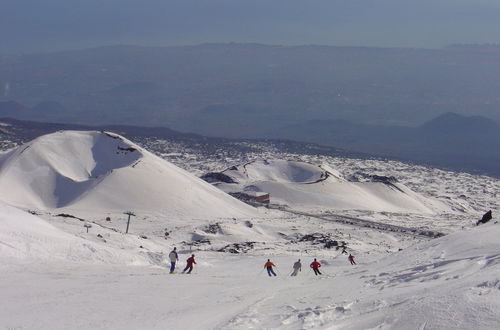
(190, 261)
(486, 217)
(351, 259)
(269, 266)
(315, 266)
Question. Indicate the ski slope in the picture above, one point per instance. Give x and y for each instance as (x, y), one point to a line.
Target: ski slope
(29, 239)
(447, 283)
(56, 275)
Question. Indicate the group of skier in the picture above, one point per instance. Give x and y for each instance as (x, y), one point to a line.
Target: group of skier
(297, 266)
(174, 257)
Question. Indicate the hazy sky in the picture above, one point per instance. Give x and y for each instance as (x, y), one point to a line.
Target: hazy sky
(44, 25)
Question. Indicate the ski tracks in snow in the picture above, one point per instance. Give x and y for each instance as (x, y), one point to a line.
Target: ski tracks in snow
(249, 317)
(287, 308)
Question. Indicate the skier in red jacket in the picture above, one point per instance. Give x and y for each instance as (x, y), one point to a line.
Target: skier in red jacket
(315, 266)
(190, 261)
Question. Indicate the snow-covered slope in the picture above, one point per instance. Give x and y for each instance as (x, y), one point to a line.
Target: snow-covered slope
(103, 171)
(307, 186)
(56, 275)
(281, 171)
(446, 283)
(26, 237)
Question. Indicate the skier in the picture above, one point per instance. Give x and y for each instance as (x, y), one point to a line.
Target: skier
(269, 266)
(315, 266)
(486, 217)
(174, 257)
(297, 267)
(190, 261)
(351, 259)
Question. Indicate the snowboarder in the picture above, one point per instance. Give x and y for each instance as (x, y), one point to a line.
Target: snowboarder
(297, 267)
(269, 266)
(315, 266)
(190, 261)
(174, 257)
(486, 217)
(351, 259)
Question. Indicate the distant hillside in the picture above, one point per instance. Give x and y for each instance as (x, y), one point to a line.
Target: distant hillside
(19, 131)
(26, 129)
(15, 110)
(450, 140)
(256, 88)
(460, 143)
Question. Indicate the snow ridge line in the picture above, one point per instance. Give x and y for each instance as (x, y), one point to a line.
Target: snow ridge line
(365, 223)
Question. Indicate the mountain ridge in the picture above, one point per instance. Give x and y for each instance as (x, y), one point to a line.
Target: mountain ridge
(364, 84)
(451, 141)
(80, 170)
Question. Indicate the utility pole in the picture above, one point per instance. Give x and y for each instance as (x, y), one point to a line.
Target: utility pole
(129, 213)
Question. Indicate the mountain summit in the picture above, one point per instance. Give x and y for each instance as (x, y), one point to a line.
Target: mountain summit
(104, 171)
(309, 186)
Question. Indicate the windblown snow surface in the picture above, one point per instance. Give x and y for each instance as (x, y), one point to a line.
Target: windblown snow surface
(56, 275)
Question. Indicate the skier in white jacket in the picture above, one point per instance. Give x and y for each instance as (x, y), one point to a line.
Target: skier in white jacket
(297, 267)
(173, 259)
